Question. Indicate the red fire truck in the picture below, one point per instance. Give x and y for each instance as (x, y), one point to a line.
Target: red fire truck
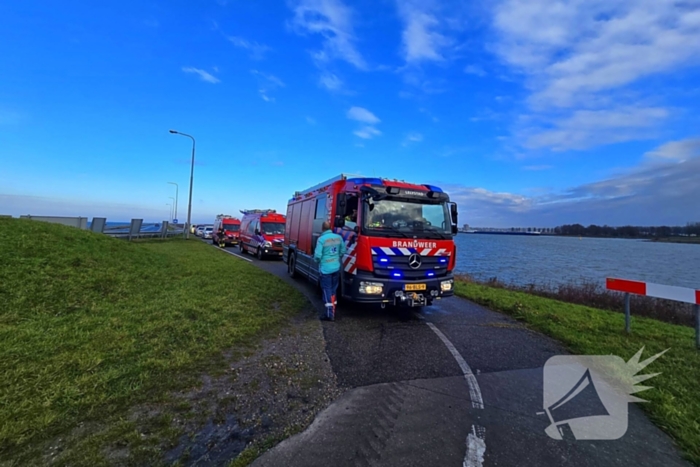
(399, 238)
(262, 232)
(232, 230)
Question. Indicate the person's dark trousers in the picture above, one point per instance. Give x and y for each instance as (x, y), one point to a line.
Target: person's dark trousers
(329, 285)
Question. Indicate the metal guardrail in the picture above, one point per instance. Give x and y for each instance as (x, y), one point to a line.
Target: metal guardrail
(649, 289)
(136, 228)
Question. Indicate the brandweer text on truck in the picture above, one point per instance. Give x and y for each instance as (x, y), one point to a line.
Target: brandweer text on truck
(399, 238)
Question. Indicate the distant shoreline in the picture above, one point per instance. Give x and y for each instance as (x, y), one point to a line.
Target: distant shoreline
(687, 240)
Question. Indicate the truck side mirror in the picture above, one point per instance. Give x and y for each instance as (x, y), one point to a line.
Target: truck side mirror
(342, 204)
(453, 212)
(454, 230)
(257, 232)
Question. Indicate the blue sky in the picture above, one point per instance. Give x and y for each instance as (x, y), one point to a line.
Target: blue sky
(528, 112)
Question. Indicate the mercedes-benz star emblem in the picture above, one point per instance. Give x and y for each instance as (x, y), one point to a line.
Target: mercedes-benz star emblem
(414, 261)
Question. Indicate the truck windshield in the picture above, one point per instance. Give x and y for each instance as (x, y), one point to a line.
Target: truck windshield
(273, 228)
(232, 227)
(406, 217)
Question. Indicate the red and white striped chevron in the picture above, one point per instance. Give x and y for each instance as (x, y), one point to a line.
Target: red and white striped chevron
(649, 289)
(349, 260)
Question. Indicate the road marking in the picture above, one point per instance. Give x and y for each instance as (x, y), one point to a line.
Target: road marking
(230, 253)
(237, 256)
(476, 447)
(476, 440)
(474, 391)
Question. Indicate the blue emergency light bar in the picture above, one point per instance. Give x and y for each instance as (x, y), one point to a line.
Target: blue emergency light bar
(366, 181)
(258, 211)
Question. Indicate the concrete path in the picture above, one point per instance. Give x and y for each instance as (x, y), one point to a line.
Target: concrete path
(453, 385)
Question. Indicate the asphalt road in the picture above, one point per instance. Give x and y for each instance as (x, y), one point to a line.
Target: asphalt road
(452, 385)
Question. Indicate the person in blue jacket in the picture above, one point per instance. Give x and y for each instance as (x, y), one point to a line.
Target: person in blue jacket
(329, 252)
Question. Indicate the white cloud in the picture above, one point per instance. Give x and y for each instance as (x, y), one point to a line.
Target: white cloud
(362, 115)
(587, 128)
(330, 81)
(367, 132)
(664, 193)
(202, 74)
(267, 83)
(257, 51)
(676, 150)
(333, 20)
(585, 55)
(422, 39)
(572, 49)
(429, 114)
(412, 138)
(475, 70)
(272, 80)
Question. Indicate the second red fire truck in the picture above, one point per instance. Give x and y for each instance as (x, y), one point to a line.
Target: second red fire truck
(231, 227)
(399, 238)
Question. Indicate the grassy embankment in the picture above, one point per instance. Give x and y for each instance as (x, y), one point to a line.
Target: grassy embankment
(695, 240)
(91, 326)
(674, 401)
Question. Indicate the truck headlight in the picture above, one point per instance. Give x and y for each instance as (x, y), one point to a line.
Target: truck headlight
(446, 286)
(371, 288)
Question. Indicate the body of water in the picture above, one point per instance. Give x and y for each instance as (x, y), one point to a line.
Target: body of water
(554, 260)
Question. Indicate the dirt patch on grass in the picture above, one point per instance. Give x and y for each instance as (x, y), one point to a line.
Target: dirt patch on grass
(262, 395)
(275, 390)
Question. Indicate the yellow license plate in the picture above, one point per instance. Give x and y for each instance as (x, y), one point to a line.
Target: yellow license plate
(414, 287)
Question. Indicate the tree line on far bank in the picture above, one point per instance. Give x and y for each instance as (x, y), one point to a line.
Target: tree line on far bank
(691, 229)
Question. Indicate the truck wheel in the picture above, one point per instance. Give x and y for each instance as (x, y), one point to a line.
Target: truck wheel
(259, 254)
(240, 245)
(292, 265)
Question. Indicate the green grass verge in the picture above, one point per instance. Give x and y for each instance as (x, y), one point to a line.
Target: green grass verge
(695, 240)
(674, 401)
(90, 325)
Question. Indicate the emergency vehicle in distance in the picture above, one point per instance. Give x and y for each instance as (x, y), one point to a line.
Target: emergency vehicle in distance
(262, 233)
(232, 230)
(399, 238)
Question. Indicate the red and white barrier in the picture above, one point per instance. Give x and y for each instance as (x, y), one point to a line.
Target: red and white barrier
(670, 292)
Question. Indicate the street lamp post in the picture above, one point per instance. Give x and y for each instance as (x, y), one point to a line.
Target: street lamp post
(172, 215)
(177, 196)
(170, 210)
(189, 203)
